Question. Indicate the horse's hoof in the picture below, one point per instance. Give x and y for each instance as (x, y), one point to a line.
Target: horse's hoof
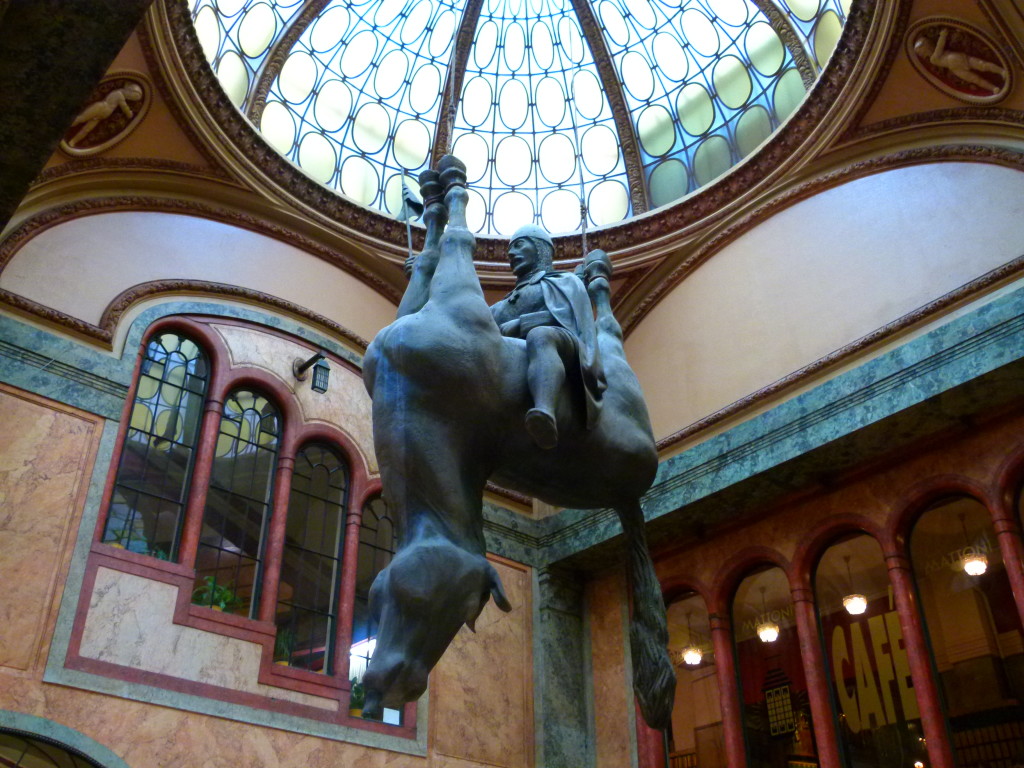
(431, 189)
(452, 172)
(542, 427)
(597, 265)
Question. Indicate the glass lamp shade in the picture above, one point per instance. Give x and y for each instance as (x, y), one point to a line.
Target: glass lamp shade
(321, 376)
(768, 632)
(855, 604)
(975, 564)
(692, 656)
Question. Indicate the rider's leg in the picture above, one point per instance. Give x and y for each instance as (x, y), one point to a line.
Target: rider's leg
(547, 350)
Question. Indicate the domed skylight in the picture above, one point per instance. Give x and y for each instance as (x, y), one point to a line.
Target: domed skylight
(627, 104)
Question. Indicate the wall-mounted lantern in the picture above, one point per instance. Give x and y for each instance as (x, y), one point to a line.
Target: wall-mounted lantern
(321, 371)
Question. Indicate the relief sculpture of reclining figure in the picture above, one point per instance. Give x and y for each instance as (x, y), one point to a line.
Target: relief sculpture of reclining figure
(534, 393)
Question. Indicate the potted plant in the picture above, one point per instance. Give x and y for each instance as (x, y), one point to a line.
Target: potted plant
(217, 596)
(356, 699)
(283, 646)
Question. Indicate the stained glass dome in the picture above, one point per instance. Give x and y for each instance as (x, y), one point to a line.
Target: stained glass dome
(623, 105)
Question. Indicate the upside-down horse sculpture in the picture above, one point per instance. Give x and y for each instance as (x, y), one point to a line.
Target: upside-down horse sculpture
(534, 393)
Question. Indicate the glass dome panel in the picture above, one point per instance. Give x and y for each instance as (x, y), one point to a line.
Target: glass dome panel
(357, 98)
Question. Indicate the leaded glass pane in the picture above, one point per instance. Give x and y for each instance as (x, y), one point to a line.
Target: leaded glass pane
(153, 474)
(237, 36)
(23, 750)
(307, 595)
(377, 545)
(359, 94)
(363, 85)
(229, 559)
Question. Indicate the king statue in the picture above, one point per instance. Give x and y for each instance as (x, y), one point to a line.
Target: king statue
(552, 312)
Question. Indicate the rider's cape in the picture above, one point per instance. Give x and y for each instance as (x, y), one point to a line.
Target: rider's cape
(565, 297)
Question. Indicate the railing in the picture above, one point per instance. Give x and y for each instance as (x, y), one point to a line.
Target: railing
(682, 760)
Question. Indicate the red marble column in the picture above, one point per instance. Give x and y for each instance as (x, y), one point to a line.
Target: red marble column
(1007, 528)
(650, 744)
(347, 602)
(817, 678)
(274, 549)
(203, 467)
(732, 712)
(925, 687)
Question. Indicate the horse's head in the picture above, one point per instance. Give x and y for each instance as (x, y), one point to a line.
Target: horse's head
(421, 600)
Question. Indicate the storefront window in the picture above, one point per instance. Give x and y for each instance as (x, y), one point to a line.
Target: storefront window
(869, 674)
(696, 737)
(776, 712)
(974, 631)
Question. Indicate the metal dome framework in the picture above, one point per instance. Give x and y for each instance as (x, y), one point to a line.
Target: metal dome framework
(627, 105)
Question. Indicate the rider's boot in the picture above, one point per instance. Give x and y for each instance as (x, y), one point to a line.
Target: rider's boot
(542, 428)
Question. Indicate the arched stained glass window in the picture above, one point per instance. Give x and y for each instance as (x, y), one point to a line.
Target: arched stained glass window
(377, 545)
(153, 474)
(777, 723)
(537, 105)
(307, 594)
(21, 750)
(878, 719)
(237, 504)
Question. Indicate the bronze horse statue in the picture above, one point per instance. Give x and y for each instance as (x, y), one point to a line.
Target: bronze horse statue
(449, 398)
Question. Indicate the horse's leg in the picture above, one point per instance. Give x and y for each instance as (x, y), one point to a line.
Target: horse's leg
(597, 273)
(654, 679)
(435, 216)
(456, 284)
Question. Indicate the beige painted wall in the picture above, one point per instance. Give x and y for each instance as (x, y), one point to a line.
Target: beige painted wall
(819, 276)
(79, 267)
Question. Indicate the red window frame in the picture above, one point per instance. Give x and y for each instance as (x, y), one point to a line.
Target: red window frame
(295, 435)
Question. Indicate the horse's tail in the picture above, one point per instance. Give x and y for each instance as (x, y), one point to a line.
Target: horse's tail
(654, 679)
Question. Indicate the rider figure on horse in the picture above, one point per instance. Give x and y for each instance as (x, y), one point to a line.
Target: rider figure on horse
(552, 312)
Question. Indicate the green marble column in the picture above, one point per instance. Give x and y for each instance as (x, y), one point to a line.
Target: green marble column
(563, 700)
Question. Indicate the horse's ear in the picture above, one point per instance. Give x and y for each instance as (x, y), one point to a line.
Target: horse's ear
(497, 592)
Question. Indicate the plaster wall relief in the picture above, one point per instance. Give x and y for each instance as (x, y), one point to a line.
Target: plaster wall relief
(959, 59)
(114, 109)
(345, 405)
(130, 623)
(46, 457)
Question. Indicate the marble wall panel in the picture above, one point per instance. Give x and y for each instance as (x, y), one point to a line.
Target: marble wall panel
(46, 458)
(345, 404)
(148, 736)
(130, 623)
(613, 702)
(481, 692)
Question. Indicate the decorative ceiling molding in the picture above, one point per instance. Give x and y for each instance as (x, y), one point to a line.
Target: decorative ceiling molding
(955, 115)
(1011, 269)
(945, 153)
(453, 81)
(112, 314)
(791, 39)
(95, 164)
(612, 84)
(896, 31)
(271, 68)
(51, 217)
